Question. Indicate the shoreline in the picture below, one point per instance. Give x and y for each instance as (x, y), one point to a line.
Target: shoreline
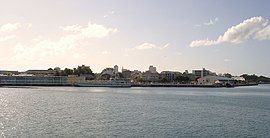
(133, 85)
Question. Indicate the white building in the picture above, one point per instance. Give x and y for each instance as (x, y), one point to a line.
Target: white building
(148, 76)
(210, 80)
(108, 71)
(169, 75)
(153, 69)
(115, 69)
(238, 78)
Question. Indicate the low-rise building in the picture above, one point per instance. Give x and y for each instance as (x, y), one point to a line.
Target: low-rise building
(126, 73)
(152, 69)
(108, 71)
(201, 73)
(136, 75)
(211, 80)
(41, 72)
(149, 76)
(9, 72)
(238, 78)
(34, 80)
(168, 75)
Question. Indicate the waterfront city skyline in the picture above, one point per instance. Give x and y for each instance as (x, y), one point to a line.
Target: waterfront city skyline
(223, 36)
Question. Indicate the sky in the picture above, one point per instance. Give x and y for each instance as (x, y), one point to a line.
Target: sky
(224, 36)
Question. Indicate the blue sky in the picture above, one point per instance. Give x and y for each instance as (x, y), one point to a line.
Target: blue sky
(136, 34)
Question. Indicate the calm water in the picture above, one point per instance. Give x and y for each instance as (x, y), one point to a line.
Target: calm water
(135, 112)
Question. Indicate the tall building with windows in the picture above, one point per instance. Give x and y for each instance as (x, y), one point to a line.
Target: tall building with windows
(152, 69)
(201, 73)
(115, 69)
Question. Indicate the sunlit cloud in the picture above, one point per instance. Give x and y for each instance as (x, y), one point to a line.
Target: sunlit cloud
(109, 14)
(105, 52)
(72, 28)
(211, 22)
(5, 38)
(9, 27)
(179, 53)
(8, 30)
(253, 28)
(146, 46)
(75, 36)
(227, 60)
(208, 23)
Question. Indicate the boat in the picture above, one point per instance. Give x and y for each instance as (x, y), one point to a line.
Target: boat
(113, 82)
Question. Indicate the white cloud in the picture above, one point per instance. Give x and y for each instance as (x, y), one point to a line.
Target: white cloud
(179, 53)
(29, 25)
(252, 28)
(227, 60)
(112, 12)
(10, 27)
(105, 52)
(165, 46)
(7, 30)
(92, 30)
(5, 38)
(264, 34)
(204, 42)
(146, 46)
(96, 31)
(209, 23)
(42, 49)
(109, 13)
(72, 28)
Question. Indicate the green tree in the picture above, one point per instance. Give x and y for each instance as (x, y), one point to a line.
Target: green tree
(228, 75)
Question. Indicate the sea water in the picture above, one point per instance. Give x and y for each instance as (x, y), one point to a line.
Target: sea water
(135, 112)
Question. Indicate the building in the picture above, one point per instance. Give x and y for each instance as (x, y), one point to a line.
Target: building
(149, 76)
(201, 73)
(8, 72)
(108, 71)
(34, 80)
(115, 69)
(126, 73)
(152, 69)
(238, 78)
(106, 74)
(211, 80)
(41, 72)
(168, 75)
(136, 75)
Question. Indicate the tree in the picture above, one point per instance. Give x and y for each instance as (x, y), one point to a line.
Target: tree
(182, 79)
(228, 75)
(163, 80)
(255, 78)
(67, 72)
(83, 70)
